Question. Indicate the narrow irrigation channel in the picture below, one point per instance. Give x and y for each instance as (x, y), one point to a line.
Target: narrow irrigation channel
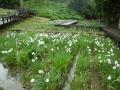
(7, 82)
(71, 73)
(95, 80)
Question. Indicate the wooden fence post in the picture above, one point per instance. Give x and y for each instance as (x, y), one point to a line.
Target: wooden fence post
(7, 18)
(119, 23)
(3, 20)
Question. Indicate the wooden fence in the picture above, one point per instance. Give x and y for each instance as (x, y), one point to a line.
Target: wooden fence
(16, 16)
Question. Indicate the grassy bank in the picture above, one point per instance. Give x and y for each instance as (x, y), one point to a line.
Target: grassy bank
(5, 11)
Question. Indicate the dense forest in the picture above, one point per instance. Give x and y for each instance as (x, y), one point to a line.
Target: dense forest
(109, 11)
(105, 10)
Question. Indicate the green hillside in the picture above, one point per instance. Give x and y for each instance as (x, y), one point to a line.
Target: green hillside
(53, 9)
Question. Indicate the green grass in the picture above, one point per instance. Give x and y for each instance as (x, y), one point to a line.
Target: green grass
(91, 23)
(1, 88)
(35, 23)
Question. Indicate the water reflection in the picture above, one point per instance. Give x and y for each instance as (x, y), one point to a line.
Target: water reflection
(7, 81)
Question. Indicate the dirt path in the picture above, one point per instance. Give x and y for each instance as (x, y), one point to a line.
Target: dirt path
(2, 31)
(71, 73)
(95, 80)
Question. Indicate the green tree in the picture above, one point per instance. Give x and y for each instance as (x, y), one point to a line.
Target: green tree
(84, 7)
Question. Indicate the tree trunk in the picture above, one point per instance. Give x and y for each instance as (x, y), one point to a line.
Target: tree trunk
(21, 3)
(113, 22)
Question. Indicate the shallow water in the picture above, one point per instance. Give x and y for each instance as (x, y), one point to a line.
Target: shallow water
(71, 74)
(7, 82)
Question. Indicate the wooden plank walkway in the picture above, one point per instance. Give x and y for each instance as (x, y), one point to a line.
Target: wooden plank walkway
(74, 23)
(6, 20)
(114, 33)
(65, 23)
(17, 16)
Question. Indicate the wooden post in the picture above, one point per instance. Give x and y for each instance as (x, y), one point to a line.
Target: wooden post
(10, 18)
(3, 19)
(7, 18)
(119, 24)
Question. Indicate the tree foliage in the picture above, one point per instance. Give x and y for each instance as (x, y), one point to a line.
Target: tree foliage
(9, 3)
(84, 7)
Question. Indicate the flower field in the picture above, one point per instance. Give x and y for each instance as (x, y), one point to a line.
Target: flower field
(44, 59)
(107, 56)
